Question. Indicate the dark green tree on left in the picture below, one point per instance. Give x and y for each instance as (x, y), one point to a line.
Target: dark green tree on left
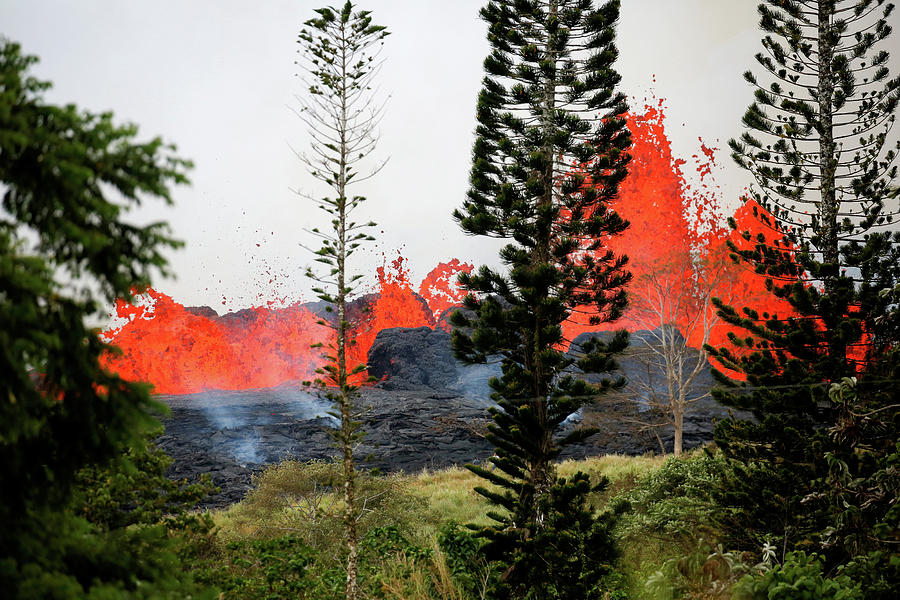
(68, 179)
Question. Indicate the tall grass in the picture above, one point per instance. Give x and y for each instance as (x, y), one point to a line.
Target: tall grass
(660, 501)
(297, 497)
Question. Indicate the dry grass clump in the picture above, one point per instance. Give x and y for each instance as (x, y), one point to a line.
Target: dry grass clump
(449, 495)
(305, 499)
(429, 579)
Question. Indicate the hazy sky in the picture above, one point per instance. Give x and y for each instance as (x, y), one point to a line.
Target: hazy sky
(217, 78)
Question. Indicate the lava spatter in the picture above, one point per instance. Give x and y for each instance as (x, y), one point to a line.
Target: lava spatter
(183, 350)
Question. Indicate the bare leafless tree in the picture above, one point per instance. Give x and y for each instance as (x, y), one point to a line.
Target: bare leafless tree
(672, 299)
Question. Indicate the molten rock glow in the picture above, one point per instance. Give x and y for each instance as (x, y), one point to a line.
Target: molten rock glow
(185, 350)
(673, 224)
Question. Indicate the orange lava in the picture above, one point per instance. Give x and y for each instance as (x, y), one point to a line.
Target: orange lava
(678, 236)
(652, 199)
(395, 305)
(672, 224)
(181, 352)
(441, 291)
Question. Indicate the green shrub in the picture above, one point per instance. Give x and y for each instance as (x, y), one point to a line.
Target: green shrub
(704, 572)
(69, 558)
(304, 499)
(878, 574)
(673, 503)
(382, 542)
(667, 525)
(135, 490)
(261, 569)
(462, 554)
(800, 577)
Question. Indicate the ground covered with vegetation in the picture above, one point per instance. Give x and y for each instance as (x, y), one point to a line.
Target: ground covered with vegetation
(285, 539)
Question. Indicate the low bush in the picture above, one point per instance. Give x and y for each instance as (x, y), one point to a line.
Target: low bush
(703, 573)
(461, 549)
(268, 568)
(800, 577)
(303, 499)
(667, 529)
(135, 490)
(672, 503)
(878, 574)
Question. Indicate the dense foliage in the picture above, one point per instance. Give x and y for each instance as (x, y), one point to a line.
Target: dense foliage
(136, 491)
(812, 469)
(286, 537)
(68, 178)
(800, 577)
(549, 154)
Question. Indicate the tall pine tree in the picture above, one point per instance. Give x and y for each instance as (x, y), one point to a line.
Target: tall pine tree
(817, 143)
(339, 50)
(550, 152)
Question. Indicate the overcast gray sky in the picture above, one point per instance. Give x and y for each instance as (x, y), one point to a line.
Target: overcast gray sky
(217, 78)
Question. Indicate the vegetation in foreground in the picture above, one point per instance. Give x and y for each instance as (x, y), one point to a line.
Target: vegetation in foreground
(414, 542)
(285, 540)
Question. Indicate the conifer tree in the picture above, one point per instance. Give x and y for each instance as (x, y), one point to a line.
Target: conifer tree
(817, 142)
(339, 51)
(68, 179)
(550, 152)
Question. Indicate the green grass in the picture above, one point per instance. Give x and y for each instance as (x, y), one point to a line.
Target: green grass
(296, 498)
(287, 498)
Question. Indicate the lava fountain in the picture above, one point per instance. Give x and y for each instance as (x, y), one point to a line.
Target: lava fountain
(185, 350)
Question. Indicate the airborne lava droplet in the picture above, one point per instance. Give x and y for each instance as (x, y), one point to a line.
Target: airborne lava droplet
(183, 350)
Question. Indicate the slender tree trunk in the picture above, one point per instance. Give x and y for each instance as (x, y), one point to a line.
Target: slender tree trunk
(679, 428)
(341, 121)
(828, 207)
(541, 472)
(345, 399)
(350, 516)
(828, 159)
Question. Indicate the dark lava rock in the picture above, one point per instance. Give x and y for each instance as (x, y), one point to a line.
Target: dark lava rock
(356, 309)
(233, 434)
(236, 434)
(644, 372)
(429, 411)
(411, 358)
(419, 358)
(202, 311)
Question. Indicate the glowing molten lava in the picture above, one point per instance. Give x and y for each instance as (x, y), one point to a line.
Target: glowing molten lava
(673, 223)
(441, 290)
(653, 199)
(677, 243)
(182, 351)
(395, 305)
